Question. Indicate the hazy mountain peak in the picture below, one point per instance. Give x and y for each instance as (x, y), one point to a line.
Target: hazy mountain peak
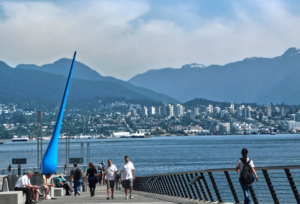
(193, 65)
(251, 58)
(291, 52)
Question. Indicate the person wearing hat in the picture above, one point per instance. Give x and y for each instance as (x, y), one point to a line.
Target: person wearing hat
(61, 184)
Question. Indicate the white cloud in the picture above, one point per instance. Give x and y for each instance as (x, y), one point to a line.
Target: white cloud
(113, 38)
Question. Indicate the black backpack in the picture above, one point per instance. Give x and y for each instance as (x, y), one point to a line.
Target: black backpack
(247, 173)
(78, 173)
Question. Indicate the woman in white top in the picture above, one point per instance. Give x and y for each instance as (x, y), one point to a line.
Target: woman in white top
(239, 167)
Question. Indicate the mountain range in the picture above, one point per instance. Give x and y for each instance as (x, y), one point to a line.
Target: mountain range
(256, 79)
(47, 82)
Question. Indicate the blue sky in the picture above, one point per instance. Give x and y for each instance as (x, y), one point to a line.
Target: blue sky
(124, 38)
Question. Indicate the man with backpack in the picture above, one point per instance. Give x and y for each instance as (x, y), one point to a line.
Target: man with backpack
(245, 168)
(76, 174)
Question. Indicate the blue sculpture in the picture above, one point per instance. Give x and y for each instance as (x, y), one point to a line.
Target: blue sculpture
(50, 156)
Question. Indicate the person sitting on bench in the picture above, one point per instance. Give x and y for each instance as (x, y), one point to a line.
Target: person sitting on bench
(61, 184)
(23, 184)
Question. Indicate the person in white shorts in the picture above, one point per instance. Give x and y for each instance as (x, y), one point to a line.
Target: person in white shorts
(111, 177)
(127, 176)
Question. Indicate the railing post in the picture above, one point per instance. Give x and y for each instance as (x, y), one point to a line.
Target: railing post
(215, 186)
(202, 189)
(185, 176)
(271, 188)
(185, 186)
(293, 185)
(182, 186)
(179, 186)
(167, 187)
(236, 198)
(172, 188)
(255, 201)
(207, 188)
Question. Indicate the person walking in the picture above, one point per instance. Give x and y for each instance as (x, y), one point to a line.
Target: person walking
(127, 176)
(100, 173)
(9, 169)
(91, 174)
(76, 174)
(241, 163)
(111, 177)
(118, 184)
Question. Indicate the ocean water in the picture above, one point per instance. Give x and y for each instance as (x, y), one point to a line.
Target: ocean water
(157, 155)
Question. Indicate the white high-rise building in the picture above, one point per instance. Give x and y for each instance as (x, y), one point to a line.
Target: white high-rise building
(145, 111)
(152, 110)
(217, 110)
(164, 109)
(178, 110)
(223, 112)
(209, 109)
(170, 110)
(196, 111)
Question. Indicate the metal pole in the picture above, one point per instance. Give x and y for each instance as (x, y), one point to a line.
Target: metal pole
(88, 153)
(37, 139)
(41, 129)
(68, 151)
(67, 135)
(82, 154)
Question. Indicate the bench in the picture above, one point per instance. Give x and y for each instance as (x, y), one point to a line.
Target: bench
(9, 195)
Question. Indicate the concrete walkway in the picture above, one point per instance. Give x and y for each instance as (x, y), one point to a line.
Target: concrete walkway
(101, 195)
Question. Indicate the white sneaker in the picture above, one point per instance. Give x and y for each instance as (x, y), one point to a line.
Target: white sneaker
(126, 197)
(131, 196)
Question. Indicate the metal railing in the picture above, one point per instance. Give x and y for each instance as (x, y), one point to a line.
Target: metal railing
(59, 170)
(276, 185)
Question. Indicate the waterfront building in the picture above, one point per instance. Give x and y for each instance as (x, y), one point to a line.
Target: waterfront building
(224, 127)
(297, 116)
(290, 125)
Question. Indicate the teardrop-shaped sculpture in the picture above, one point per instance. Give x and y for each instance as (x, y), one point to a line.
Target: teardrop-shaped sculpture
(50, 156)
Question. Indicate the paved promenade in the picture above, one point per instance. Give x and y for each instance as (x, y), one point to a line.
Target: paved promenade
(101, 195)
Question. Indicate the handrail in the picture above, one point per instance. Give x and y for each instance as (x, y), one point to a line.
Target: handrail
(277, 184)
(225, 169)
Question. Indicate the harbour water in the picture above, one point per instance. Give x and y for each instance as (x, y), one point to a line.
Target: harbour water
(170, 154)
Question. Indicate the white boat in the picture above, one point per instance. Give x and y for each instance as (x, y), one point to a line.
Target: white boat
(85, 137)
(17, 139)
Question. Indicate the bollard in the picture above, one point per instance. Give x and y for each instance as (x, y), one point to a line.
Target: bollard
(19, 169)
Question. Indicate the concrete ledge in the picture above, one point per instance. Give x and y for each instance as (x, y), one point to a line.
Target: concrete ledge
(54, 192)
(12, 197)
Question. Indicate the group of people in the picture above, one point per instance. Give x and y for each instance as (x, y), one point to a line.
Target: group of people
(108, 174)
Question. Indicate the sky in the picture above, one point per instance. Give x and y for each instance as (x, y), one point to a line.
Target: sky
(128, 37)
